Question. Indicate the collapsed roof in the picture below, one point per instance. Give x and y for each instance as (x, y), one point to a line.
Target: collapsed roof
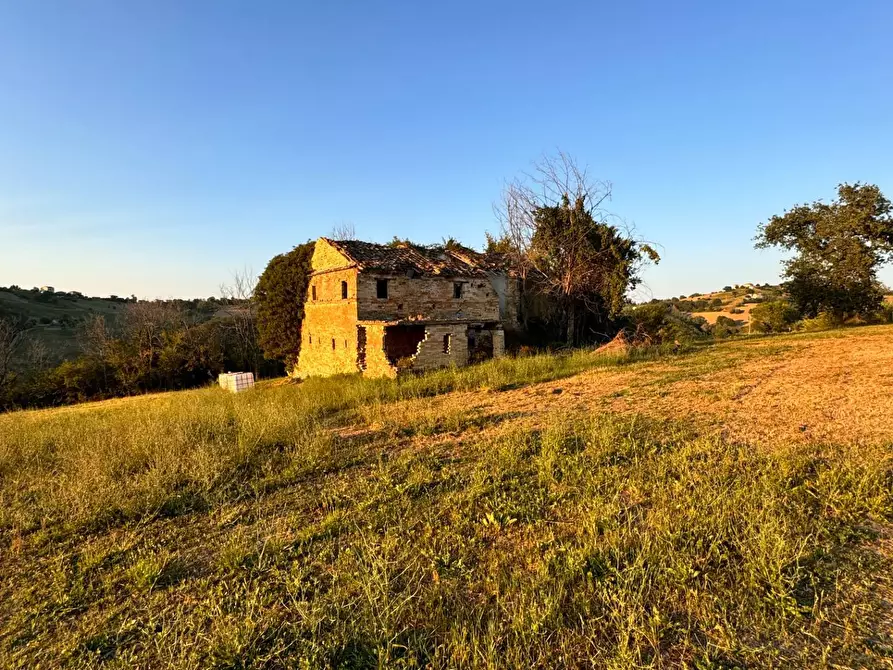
(432, 261)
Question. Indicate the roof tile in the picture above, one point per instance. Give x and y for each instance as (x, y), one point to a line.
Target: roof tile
(433, 261)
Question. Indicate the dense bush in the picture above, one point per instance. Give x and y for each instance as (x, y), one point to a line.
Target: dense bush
(279, 295)
(884, 314)
(724, 327)
(662, 323)
(824, 321)
(777, 316)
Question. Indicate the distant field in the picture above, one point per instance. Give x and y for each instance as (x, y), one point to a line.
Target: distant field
(742, 319)
(742, 297)
(729, 506)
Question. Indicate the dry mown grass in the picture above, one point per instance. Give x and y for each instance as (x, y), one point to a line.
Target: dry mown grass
(729, 507)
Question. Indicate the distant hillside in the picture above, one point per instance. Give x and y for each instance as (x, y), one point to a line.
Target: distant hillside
(734, 302)
(54, 317)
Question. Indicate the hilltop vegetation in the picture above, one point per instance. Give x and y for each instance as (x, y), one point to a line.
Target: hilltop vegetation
(749, 309)
(645, 510)
(55, 318)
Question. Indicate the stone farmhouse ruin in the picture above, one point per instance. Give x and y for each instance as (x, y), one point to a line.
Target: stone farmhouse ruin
(382, 310)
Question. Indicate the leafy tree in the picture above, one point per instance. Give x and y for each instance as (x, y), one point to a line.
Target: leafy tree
(589, 265)
(724, 327)
(839, 248)
(554, 221)
(280, 294)
(776, 316)
(498, 245)
(77, 380)
(194, 356)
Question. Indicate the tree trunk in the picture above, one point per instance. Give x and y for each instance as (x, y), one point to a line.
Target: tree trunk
(571, 324)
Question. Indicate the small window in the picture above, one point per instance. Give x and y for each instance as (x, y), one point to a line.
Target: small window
(381, 289)
(333, 344)
(344, 290)
(446, 343)
(457, 289)
(313, 292)
(310, 338)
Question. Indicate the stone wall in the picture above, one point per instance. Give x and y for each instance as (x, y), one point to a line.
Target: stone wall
(498, 343)
(429, 354)
(508, 293)
(329, 331)
(327, 257)
(327, 287)
(426, 298)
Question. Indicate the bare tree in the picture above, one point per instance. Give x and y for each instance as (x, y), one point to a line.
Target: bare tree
(12, 334)
(95, 338)
(242, 313)
(146, 327)
(553, 179)
(38, 355)
(343, 231)
(97, 341)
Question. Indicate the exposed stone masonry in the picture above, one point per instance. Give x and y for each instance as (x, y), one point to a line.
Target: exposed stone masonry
(435, 302)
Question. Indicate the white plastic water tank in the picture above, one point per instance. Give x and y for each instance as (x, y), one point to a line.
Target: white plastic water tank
(236, 381)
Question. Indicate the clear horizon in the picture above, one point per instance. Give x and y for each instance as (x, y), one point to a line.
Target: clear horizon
(154, 148)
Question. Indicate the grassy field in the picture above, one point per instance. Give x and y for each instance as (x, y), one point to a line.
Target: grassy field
(730, 506)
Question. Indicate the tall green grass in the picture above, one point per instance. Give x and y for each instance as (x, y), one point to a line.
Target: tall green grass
(174, 453)
(207, 530)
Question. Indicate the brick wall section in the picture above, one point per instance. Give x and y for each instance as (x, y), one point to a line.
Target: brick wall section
(377, 364)
(327, 257)
(431, 354)
(426, 298)
(329, 318)
(498, 343)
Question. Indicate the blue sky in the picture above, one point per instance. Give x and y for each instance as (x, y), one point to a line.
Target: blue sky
(155, 147)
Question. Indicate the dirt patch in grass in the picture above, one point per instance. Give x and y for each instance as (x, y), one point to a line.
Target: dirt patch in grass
(771, 392)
